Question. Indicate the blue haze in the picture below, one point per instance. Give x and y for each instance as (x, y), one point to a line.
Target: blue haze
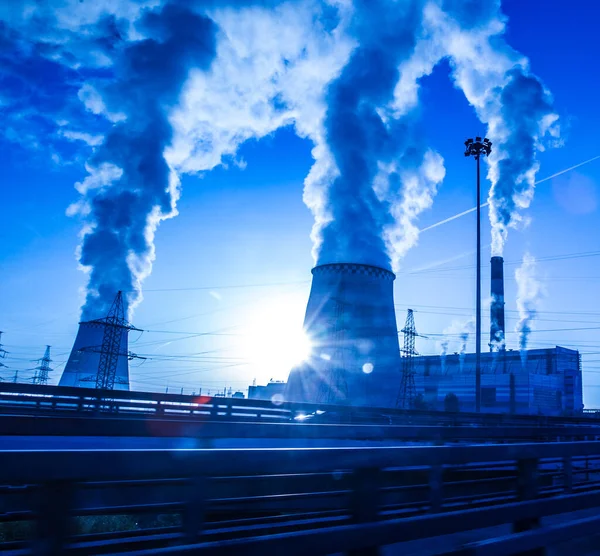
(248, 226)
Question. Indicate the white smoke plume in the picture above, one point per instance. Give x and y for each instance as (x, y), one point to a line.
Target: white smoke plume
(497, 82)
(456, 336)
(511, 100)
(176, 86)
(529, 293)
(176, 98)
(373, 173)
(495, 79)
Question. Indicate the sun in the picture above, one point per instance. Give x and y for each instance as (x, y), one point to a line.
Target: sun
(274, 341)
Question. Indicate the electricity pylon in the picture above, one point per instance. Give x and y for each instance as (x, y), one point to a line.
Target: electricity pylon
(408, 392)
(41, 372)
(115, 325)
(3, 352)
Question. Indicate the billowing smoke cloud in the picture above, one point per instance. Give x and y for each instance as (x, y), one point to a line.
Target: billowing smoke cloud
(529, 291)
(507, 97)
(373, 175)
(174, 87)
(497, 82)
(525, 117)
(179, 85)
(131, 186)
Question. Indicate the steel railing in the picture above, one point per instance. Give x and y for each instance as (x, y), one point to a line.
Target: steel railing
(293, 501)
(52, 400)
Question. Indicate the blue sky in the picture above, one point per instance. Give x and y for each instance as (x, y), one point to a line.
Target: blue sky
(232, 269)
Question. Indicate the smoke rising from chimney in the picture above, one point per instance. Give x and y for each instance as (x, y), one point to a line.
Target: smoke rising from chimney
(181, 91)
(496, 81)
(529, 291)
(131, 187)
(456, 336)
(513, 102)
(360, 206)
(373, 173)
(524, 116)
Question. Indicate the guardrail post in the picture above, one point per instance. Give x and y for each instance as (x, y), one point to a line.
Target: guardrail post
(53, 519)
(195, 509)
(568, 474)
(527, 489)
(587, 469)
(364, 503)
(436, 496)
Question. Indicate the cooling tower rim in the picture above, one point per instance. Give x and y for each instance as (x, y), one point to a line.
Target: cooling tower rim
(354, 268)
(497, 258)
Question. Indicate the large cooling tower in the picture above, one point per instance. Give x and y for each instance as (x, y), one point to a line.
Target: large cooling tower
(82, 366)
(497, 305)
(351, 322)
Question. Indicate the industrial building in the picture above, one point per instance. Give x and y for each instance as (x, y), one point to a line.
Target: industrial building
(268, 392)
(351, 322)
(536, 381)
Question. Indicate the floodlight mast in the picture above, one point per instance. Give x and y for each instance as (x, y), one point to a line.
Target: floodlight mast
(476, 148)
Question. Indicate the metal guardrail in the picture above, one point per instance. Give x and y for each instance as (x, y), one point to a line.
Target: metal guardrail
(295, 501)
(52, 400)
(206, 433)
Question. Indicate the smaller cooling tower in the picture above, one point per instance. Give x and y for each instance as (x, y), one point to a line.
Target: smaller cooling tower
(497, 341)
(351, 323)
(83, 363)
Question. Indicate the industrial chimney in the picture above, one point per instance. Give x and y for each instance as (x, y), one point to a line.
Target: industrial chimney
(351, 323)
(497, 341)
(100, 356)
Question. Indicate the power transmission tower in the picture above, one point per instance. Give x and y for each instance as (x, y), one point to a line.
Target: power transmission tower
(115, 325)
(3, 352)
(407, 393)
(41, 372)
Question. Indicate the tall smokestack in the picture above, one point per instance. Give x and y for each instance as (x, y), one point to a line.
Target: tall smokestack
(351, 322)
(497, 341)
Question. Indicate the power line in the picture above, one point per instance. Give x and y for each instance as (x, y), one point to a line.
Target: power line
(235, 286)
(42, 370)
(469, 211)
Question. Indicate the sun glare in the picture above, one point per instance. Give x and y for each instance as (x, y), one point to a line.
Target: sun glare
(274, 340)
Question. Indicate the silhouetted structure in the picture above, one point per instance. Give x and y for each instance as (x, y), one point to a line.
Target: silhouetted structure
(351, 323)
(407, 392)
(547, 381)
(497, 332)
(476, 149)
(43, 369)
(273, 388)
(100, 354)
(3, 352)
